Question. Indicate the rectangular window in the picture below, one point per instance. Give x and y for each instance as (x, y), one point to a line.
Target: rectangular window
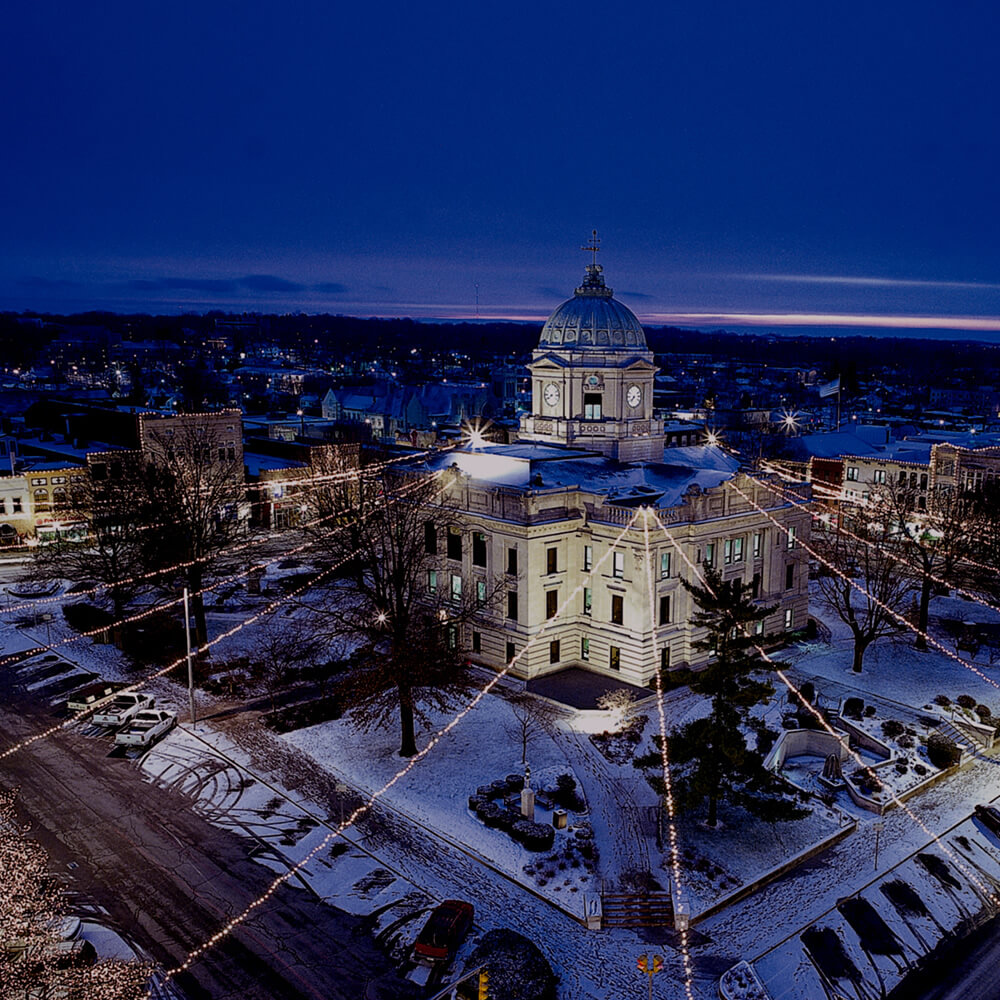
(432, 581)
(665, 659)
(791, 537)
(551, 560)
(3, 505)
(454, 543)
(588, 600)
(591, 406)
(554, 651)
(478, 549)
(480, 591)
(710, 554)
(585, 648)
(512, 605)
(789, 576)
(618, 565)
(551, 603)
(758, 628)
(615, 658)
(727, 551)
(456, 587)
(430, 538)
(738, 549)
(757, 542)
(755, 586)
(664, 565)
(852, 473)
(477, 642)
(588, 558)
(15, 503)
(510, 652)
(617, 609)
(665, 610)
(512, 561)
(923, 480)
(878, 476)
(902, 476)
(452, 637)
(788, 618)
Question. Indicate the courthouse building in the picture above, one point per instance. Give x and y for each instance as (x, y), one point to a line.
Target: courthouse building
(535, 521)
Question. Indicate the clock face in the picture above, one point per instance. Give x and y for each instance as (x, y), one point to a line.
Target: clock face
(634, 396)
(551, 394)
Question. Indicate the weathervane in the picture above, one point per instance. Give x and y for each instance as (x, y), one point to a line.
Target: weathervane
(595, 245)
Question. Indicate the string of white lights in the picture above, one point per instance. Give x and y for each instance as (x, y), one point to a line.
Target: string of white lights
(797, 501)
(906, 623)
(139, 684)
(818, 716)
(308, 486)
(675, 856)
(369, 803)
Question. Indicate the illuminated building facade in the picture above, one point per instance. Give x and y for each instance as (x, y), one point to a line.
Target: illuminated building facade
(540, 524)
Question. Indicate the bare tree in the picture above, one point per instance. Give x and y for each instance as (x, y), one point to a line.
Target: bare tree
(933, 534)
(114, 504)
(408, 610)
(864, 553)
(196, 486)
(280, 651)
(531, 717)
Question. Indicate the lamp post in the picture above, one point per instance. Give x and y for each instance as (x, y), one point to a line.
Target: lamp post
(650, 964)
(302, 422)
(879, 827)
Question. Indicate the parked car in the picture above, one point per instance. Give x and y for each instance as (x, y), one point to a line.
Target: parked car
(989, 816)
(123, 707)
(145, 727)
(444, 931)
(89, 695)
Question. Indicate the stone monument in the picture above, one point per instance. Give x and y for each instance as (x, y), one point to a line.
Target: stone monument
(528, 797)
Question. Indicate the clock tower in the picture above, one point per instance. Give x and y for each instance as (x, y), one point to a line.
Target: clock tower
(592, 377)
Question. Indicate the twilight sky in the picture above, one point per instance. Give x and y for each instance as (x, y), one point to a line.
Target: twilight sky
(769, 164)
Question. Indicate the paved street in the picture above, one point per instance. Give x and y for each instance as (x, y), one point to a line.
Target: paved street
(169, 878)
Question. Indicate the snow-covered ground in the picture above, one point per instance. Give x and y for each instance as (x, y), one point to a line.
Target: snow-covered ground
(423, 844)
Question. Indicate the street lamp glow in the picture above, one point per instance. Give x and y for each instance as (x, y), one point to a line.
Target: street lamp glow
(475, 435)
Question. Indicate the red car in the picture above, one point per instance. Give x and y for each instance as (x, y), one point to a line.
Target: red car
(444, 931)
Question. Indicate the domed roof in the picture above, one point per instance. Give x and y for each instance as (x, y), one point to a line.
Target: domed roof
(593, 319)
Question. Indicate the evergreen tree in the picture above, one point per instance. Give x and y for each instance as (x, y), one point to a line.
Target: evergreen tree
(709, 757)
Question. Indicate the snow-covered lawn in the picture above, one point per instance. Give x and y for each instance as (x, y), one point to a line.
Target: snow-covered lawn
(482, 749)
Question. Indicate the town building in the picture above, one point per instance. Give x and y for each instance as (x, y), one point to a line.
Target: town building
(560, 529)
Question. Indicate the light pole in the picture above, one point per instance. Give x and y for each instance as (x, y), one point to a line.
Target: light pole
(187, 638)
(302, 422)
(650, 964)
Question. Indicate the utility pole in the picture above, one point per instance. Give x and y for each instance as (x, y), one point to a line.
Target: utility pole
(187, 637)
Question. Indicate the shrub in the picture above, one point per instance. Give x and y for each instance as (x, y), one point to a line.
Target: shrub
(534, 836)
(808, 691)
(491, 813)
(941, 751)
(86, 617)
(920, 769)
(983, 712)
(892, 728)
(853, 707)
(906, 741)
(869, 711)
(513, 783)
(942, 699)
(565, 794)
(966, 701)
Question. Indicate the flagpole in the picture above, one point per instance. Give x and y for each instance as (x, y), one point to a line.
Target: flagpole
(838, 404)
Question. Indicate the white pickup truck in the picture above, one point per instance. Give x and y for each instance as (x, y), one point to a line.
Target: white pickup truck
(122, 707)
(147, 726)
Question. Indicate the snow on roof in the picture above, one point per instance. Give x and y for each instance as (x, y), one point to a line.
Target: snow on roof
(529, 466)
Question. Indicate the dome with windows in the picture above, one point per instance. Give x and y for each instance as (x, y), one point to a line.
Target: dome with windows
(593, 319)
